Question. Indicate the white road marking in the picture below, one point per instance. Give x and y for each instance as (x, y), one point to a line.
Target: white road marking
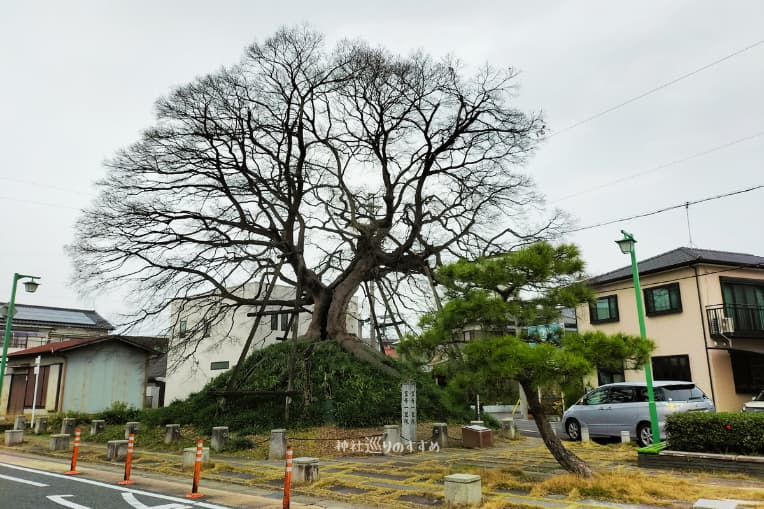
(59, 499)
(25, 481)
(134, 502)
(114, 487)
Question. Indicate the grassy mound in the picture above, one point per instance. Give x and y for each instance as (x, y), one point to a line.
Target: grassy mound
(335, 388)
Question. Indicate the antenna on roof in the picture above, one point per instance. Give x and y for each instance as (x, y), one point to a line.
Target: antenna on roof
(689, 231)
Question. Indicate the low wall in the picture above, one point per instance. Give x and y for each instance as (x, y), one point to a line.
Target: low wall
(706, 462)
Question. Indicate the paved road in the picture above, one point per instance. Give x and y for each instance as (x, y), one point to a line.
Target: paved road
(30, 488)
(528, 428)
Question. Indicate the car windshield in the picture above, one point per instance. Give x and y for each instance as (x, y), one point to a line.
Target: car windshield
(684, 392)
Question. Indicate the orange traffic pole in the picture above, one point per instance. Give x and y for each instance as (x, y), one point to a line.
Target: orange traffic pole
(197, 470)
(75, 453)
(287, 478)
(128, 460)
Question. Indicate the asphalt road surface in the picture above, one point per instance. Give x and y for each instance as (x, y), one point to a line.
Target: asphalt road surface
(528, 428)
(28, 488)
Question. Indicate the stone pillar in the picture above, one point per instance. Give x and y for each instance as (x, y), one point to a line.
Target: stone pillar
(391, 439)
(40, 425)
(278, 445)
(131, 428)
(14, 436)
(59, 442)
(172, 433)
(440, 434)
(584, 433)
(305, 470)
(116, 450)
(219, 437)
(509, 428)
(97, 426)
(67, 425)
(463, 489)
(20, 422)
(625, 437)
(189, 456)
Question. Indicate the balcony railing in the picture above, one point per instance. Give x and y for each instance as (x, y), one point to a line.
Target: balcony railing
(736, 321)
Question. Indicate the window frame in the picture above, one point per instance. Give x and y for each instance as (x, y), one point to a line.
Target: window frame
(219, 365)
(650, 300)
(612, 318)
(657, 372)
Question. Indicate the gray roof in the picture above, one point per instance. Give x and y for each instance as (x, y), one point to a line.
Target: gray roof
(53, 316)
(680, 257)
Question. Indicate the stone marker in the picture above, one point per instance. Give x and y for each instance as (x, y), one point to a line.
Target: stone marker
(509, 428)
(707, 503)
(440, 434)
(41, 425)
(625, 438)
(219, 438)
(131, 428)
(116, 450)
(59, 442)
(305, 470)
(391, 439)
(172, 433)
(14, 436)
(97, 426)
(20, 422)
(189, 456)
(463, 489)
(584, 433)
(278, 445)
(408, 412)
(67, 425)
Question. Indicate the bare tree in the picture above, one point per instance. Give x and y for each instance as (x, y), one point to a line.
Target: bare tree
(351, 165)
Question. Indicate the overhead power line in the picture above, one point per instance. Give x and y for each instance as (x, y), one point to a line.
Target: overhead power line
(666, 209)
(655, 89)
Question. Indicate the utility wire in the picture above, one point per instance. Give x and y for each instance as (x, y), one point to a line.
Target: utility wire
(666, 209)
(656, 89)
(661, 166)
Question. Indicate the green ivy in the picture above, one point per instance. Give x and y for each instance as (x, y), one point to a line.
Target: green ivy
(722, 432)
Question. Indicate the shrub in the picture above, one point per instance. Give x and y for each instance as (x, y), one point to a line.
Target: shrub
(722, 432)
(119, 413)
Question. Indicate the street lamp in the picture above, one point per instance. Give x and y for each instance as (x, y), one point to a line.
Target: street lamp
(627, 247)
(31, 287)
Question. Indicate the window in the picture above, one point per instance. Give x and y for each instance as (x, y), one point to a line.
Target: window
(610, 375)
(285, 322)
(275, 321)
(604, 309)
(596, 397)
(663, 300)
(206, 331)
(620, 394)
(747, 371)
(182, 328)
(219, 365)
(672, 367)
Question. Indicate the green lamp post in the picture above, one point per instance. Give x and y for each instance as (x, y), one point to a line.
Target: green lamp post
(31, 287)
(627, 247)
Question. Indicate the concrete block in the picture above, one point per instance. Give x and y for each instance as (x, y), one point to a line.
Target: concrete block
(463, 489)
(172, 433)
(440, 434)
(707, 503)
(585, 433)
(67, 425)
(131, 428)
(14, 436)
(20, 422)
(189, 456)
(40, 425)
(97, 426)
(391, 439)
(116, 450)
(305, 470)
(476, 436)
(219, 438)
(277, 447)
(625, 437)
(59, 442)
(509, 428)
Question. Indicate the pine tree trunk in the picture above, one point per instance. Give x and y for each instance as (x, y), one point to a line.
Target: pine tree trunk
(568, 460)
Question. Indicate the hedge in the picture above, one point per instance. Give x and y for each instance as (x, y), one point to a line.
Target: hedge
(722, 432)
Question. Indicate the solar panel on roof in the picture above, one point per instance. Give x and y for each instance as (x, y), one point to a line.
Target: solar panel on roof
(53, 315)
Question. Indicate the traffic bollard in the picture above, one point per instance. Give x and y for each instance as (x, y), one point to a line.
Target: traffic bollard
(197, 470)
(128, 460)
(75, 452)
(287, 478)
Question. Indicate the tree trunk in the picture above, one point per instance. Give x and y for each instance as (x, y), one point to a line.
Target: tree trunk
(564, 457)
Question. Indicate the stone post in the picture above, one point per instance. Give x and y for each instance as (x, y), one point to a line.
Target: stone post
(391, 439)
(408, 412)
(172, 433)
(131, 428)
(509, 428)
(59, 442)
(440, 434)
(20, 422)
(584, 433)
(97, 426)
(116, 450)
(305, 470)
(67, 425)
(219, 438)
(278, 445)
(625, 437)
(463, 489)
(189, 456)
(14, 436)
(40, 425)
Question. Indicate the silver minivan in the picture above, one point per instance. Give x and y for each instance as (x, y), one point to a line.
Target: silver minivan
(612, 408)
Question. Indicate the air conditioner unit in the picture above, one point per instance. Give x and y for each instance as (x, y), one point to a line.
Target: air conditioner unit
(727, 325)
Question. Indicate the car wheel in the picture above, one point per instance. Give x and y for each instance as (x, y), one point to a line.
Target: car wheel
(644, 434)
(573, 429)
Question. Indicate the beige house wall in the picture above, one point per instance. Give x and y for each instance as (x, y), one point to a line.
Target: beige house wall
(684, 333)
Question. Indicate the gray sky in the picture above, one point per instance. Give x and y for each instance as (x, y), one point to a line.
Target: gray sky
(79, 80)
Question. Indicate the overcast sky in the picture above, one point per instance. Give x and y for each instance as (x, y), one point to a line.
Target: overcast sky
(78, 80)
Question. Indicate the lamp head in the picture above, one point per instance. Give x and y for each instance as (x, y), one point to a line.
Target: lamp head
(31, 286)
(626, 243)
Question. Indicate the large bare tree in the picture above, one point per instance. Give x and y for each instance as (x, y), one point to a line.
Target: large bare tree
(346, 165)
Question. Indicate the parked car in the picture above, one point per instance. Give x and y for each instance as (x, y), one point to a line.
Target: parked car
(612, 408)
(756, 404)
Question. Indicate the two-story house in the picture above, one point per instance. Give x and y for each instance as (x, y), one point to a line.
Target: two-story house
(705, 311)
